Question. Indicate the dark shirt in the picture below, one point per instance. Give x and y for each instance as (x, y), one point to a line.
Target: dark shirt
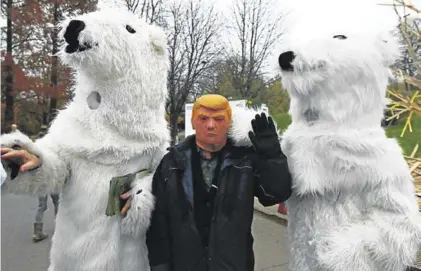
(208, 167)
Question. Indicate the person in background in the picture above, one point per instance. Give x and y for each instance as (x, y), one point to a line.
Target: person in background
(205, 188)
(38, 234)
(14, 128)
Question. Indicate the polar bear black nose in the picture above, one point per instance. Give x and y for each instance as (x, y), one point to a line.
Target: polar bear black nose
(285, 60)
(73, 30)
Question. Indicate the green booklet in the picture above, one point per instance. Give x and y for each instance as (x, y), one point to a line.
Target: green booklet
(118, 186)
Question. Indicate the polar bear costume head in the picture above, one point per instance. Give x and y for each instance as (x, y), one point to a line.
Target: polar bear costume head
(120, 65)
(112, 44)
(334, 62)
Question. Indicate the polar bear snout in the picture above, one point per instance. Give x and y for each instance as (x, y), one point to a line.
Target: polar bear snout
(285, 61)
(71, 36)
(73, 30)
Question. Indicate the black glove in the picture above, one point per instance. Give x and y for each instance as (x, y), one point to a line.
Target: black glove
(264, 137)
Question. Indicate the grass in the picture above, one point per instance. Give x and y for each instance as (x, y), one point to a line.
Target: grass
(407, 142)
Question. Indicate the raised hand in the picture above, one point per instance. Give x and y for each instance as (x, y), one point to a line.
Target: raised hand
(264, 137)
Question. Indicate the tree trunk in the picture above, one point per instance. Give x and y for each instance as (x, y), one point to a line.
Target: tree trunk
(174, 128)
(53, 100)
(45, 111)
(44, 118)
(8, 114)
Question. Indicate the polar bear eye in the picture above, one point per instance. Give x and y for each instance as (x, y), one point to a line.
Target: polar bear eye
(340, 37)
(130, 29)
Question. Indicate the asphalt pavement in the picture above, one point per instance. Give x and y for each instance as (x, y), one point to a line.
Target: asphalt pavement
(18, 253)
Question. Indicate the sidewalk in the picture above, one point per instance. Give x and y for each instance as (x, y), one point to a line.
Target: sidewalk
(270, 211)
(271, 246)
(270, 233)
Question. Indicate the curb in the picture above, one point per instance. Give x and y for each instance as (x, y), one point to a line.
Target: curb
(270, 211)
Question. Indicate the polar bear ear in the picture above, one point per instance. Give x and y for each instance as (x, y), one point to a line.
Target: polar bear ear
(158, 39)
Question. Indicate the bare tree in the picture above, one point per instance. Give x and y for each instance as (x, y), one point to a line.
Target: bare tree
(410, 31)
(54, 38)
(255, 28)
(208, 82)
(193, 34)
(151, 10)
(409, 63)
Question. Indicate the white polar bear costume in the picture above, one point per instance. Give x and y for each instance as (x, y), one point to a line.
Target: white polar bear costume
(353, 206)
(124, 62)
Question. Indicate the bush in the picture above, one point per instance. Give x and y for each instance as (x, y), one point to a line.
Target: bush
(283, 120)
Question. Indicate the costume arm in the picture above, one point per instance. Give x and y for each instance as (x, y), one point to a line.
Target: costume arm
(272, 180)
(138, 218)
(158, 238)
(49, 177)
(388, 235)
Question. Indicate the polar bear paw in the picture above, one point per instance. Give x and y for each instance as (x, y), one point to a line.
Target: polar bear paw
(33, 182)
(137, 220)
(21, 140)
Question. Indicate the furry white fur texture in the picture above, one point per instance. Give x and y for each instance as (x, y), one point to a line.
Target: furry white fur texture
(353, 205)
(84, 148)
(241, 125)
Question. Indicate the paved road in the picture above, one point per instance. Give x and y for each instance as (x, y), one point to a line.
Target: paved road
(18, 253)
